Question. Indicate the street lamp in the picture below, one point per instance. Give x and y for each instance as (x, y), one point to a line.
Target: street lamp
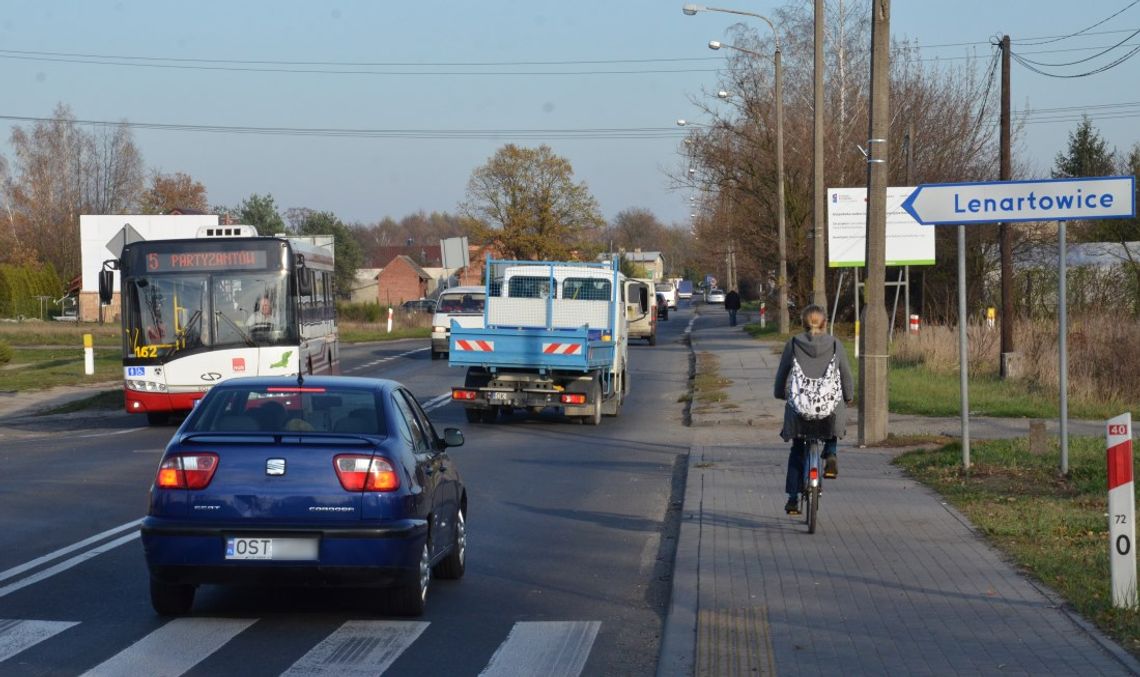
(782, 271)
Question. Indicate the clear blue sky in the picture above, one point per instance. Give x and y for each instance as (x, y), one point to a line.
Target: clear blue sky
(461, 65)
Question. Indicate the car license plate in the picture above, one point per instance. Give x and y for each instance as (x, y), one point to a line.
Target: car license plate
(277, 548)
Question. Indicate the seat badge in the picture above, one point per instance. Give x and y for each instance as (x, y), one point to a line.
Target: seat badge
(275, 466)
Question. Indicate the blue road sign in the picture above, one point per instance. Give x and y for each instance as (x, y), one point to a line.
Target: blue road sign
(1102, 197)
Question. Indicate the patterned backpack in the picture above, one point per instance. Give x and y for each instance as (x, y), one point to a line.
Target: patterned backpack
(814, 398)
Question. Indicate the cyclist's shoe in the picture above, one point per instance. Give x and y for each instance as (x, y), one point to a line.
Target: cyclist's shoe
(792, 507)
(830, 467)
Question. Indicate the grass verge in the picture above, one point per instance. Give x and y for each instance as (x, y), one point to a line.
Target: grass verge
(708, 385)
(1053, 527)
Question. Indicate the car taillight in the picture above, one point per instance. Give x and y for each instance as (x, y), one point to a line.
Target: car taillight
(365, 473)
(187, 471)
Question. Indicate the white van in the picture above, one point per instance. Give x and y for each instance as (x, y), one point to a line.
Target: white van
(462, 304)
(667, 290)
(641, 310)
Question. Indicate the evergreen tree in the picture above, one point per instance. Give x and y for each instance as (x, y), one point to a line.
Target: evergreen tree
(1087, 155)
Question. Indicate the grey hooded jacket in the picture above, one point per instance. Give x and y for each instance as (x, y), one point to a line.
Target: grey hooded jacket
(814, 353)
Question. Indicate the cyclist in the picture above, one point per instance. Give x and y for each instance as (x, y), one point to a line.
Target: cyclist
(813, 350)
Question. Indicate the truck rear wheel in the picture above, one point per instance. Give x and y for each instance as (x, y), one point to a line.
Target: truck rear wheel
(473, 415)
(490, 415)
(595, 415)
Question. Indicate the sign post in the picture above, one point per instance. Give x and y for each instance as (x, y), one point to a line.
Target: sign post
(1061, 200)
(1121, 512)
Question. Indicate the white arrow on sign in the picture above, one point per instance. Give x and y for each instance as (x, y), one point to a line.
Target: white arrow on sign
(1105, 197)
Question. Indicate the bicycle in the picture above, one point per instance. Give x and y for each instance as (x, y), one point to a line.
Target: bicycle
(812, 433)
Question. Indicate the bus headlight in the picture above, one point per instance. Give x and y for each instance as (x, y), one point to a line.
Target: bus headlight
(146, 386)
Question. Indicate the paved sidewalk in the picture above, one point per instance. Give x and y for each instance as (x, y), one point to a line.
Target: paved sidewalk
(894, 581)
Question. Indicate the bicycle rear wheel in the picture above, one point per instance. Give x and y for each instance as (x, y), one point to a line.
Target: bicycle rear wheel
(812, 508)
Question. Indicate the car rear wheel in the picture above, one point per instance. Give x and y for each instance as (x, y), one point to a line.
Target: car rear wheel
(171, 599)
(410, 599)
(453, 566)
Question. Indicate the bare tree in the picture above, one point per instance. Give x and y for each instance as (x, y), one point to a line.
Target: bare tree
(730, 161)
(62, 172)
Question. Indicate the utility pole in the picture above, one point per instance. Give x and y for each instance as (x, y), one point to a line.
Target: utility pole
(782, 273)
(873, 356)
(1005, 173)
(818, 281)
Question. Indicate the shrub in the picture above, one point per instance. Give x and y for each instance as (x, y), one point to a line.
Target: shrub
(1102, 360)
(5, 352)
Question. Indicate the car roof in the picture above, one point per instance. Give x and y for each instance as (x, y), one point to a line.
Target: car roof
(323, 381)
(470, 289)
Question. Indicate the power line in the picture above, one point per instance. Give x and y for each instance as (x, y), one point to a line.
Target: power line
(1083, 30)
(1087, 58)
(332, 132)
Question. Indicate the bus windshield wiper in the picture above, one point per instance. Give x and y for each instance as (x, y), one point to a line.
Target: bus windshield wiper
(240, 330)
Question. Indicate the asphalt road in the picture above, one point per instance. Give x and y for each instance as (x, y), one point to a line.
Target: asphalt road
(571, 530)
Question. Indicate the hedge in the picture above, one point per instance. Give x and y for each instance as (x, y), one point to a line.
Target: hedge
(20, 285)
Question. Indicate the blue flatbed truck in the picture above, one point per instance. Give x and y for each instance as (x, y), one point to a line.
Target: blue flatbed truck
(554, 335)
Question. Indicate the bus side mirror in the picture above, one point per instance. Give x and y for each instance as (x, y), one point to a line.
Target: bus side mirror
(106, 286)
(304, 282)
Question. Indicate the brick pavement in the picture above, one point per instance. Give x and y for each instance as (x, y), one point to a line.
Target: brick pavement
(894, 581)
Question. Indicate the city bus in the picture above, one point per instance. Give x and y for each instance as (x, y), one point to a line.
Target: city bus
(198, 311)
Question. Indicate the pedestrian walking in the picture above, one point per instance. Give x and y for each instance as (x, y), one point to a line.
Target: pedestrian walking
(732, 304)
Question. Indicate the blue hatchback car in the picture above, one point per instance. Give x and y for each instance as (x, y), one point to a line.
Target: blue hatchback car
(326, 481)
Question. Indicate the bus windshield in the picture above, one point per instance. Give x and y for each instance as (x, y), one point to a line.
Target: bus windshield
(169, 313)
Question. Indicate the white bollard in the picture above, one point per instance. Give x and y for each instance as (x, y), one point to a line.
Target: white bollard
(1121, 512)
(88, 355)
(991, 317)
(763, 315)
(389, 320)
(914, 324)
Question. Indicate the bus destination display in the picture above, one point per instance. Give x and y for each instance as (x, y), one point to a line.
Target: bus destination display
(240, 259)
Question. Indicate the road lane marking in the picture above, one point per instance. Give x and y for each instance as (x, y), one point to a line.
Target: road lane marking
(358, 648)
(66, 564)
(382, 360)
(111, 433)
(174, 648)
(550, 648)
(17, 570)
(17, 635)
(437, 402)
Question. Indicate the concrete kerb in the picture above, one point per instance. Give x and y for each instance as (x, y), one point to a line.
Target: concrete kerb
(24, 404)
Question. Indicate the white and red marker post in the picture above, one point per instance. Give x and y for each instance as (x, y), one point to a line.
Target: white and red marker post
(1121, 511)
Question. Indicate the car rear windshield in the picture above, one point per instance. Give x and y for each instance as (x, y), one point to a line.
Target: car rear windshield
(664, 287)
(461, 303)
(289, 409)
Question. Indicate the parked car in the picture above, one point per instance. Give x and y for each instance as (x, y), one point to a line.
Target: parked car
(462, 304)
(418, 306)
(331, 480)
(662, 307)
(715, 295)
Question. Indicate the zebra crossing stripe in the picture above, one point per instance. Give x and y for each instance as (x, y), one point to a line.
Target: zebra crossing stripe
(358, 648)
(550, 648)
(17, 635)
(172, 649)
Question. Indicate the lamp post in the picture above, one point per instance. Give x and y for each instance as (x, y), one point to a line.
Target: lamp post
(782, 270)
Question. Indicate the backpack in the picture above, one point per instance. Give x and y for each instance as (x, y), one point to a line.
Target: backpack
(814, 398)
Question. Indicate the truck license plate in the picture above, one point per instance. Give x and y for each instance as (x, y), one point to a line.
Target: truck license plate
(498, 396)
